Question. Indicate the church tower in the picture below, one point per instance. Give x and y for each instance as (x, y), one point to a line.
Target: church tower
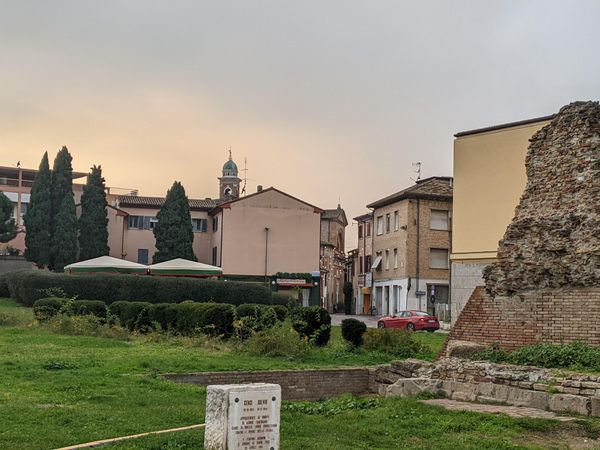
(229, 183)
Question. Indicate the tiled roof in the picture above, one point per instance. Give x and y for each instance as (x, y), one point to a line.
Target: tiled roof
(335, 214)
(505, 125)
(435, 188)
(137, 201)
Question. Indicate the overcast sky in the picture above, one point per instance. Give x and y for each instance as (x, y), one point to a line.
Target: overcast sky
(328, 100)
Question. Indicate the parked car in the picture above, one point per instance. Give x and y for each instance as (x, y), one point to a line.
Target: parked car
(411, 321)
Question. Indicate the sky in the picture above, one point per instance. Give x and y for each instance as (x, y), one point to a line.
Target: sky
(330, 101)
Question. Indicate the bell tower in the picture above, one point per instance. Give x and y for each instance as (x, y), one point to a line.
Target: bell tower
(229, 183)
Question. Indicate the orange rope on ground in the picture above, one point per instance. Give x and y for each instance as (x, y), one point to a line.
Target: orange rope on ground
(125, 438)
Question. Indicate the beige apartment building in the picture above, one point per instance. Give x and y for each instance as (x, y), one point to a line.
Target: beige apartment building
(362, 280)
(489, 178)
(256, 235)
(410, 250)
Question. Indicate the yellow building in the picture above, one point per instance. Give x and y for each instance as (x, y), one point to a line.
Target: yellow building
(489, 178)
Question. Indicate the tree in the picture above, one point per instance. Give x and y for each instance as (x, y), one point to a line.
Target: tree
(64, 239)
(8, 229)
(61, 188)
(93, 222)
(38, 218)
(173, 231)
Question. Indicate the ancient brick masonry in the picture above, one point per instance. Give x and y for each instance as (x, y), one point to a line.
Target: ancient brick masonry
(554, 238)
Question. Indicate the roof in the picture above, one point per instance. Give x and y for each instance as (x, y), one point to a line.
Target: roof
(433, 188)
(226, 204)
(28, 174)
(505, 125)
(183, 266)
(137, 201)
(335, 214)
(365, 217)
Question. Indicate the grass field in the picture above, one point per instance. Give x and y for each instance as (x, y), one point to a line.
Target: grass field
(58, 390)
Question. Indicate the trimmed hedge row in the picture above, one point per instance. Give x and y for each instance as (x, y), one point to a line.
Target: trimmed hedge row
(215, 319)
(314, 323)
(28, 286)
(4, 291)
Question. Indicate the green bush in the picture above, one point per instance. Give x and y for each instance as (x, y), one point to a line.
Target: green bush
(282, 299)
(314, 323)
(89, 307)
(27, 286)
(46, 308)
(213, 319)
(84, 326)
(392, 340)
(128, 313)
(4, 290)
(164, 314)
(353, 330)
(282, 312)
(279, 340)
(575, 356)
(253, 318)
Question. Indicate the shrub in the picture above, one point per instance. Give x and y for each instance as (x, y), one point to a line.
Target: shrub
(4, 291)
(392, 340)
(280, 340)
(353, 330)
(253, 318)
(128, 312)
(163, 314)
(314, 323)
(84, 326)
(89, 307)
(282, 312)
(282, 299)
(213, 319)
(26, 287)
(46, 308)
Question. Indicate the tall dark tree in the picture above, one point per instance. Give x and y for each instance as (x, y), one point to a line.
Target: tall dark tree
(173, 232)
(64, 238)
(8, 229)
(61, 188)
(93, 222)
(38, 218)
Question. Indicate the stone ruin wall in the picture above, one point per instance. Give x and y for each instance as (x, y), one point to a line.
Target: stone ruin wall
(545, 285)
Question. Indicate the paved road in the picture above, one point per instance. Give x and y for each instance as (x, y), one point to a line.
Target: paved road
(371, 321)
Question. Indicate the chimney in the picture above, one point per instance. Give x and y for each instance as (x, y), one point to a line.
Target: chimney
(259, 188)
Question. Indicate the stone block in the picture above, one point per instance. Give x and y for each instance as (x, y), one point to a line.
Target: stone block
(570, 403)
(410, 387)
(524, 397)
(595, 406)
(242, 416)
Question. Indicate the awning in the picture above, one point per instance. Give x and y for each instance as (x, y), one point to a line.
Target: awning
(183, 267)
(106, 264)
(377, 262)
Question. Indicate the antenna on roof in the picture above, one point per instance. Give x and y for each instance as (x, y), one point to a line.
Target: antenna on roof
(245, 170)
(417, 166)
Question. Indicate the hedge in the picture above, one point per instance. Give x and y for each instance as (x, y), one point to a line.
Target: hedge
(314, 323)
(353, 330)
(215, 319)
(28, 286)
(4, 291)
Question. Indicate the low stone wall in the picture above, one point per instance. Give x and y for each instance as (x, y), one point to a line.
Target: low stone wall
(485, 382)
(295, 384)
(557, 316)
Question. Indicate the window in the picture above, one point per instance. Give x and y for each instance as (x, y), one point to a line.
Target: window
(142, 222)
(379, 225)
(387, 260)
(360, 230)
(377, 263)
(142, 255)
(199, 225)
(214, 256)
(395, 258)
(368, 229)
(360, 264)
(438, 258)
(396, 221)
(367, 263)
(438, 220)
(387, 223)
(215, 224)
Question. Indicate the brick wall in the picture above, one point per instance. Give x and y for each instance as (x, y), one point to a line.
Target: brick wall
(295, 384)
(556, 316)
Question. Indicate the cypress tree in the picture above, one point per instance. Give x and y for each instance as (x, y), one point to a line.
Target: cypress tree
(93, 222)
(8, 229)
(64, 239)
(173, 232)
(61, 188)
(39, 217)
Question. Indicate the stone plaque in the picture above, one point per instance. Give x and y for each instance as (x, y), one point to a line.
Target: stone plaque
(242, 417)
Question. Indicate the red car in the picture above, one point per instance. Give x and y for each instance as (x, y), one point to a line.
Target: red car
(411, 321)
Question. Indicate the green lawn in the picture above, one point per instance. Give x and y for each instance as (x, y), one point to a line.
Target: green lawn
(58, 390)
